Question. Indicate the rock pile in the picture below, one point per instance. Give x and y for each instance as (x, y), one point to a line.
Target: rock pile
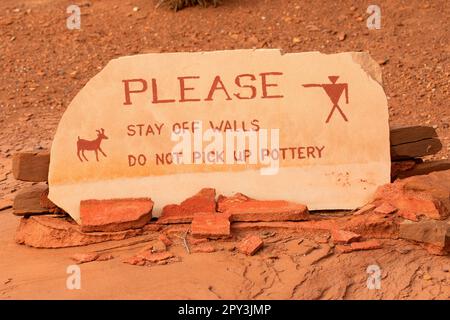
(409, 145)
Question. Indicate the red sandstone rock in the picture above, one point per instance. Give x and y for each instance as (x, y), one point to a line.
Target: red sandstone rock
(385, 208)
(355, 246)
(435, 250)
(343, 249)
(342, 236)
(28, 201)
(401, 166)
(366, 245)
(250, 245)
(409, 215)
(365, 209)
(31, 166)
(427, 195)
(105, 257)
(435, 235)
(207, 248)
(155, 256)
(210, 225)
(135, 260)
(165, 239)
(203, 201)
(80, 258)
(152, 227)
(223, 202)
(115, 214)
(368, 225)
(154, 246)
(46, 203)
(61, 232)
(243, 208)
(143, 257)
(177, 229)
(195, 241)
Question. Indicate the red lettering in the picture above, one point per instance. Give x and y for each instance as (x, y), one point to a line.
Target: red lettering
(265, 85)
(155, 94)
(183, 88)
(252, 88)
(215, 86)
(128, 91)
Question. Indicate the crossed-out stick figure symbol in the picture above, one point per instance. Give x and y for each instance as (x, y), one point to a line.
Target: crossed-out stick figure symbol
(334, 91)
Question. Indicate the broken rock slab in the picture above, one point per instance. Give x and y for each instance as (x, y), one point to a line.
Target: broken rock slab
(115, 214)
(356, 246)
(31, 166)
(203, 248)
(203, 201)
(242, 208)
(80, 258)
(342, 236)
(148, 258)
(435, 234)
(60, 232)
(417, 196)
(28, 200)
(250, 245)
(210, 225)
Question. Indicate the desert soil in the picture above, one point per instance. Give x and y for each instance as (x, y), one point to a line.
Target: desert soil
(291, 265)
(44, 65)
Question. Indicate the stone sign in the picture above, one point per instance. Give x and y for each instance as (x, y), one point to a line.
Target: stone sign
(304, 127)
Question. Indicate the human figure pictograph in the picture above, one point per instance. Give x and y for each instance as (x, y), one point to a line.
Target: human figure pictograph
(334, 91)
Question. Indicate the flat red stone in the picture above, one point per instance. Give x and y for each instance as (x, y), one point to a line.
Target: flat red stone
(203, 201)
(210, 225)
(115, 214)
(366, 245)
(385, 208)
(243, 208)
(342, 236)
(155, 256)
(80, 258)
(250, 245)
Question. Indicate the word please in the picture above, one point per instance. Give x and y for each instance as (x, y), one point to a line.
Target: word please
(245, 86)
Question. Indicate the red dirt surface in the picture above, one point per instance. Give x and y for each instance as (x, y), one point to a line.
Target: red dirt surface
(44, 65)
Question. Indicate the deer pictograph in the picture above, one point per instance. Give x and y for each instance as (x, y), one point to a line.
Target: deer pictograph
(90, 145)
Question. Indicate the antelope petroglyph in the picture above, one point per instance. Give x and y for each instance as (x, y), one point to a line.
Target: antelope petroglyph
(90, 145)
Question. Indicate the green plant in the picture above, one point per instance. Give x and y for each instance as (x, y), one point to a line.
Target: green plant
(180, 4)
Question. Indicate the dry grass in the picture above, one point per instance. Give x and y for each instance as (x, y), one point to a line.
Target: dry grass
(180, 4)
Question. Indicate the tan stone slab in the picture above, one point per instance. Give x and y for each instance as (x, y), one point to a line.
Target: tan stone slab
(400, 135)
(335, 153)
(31, 166)
(28, 200)
(416, 149)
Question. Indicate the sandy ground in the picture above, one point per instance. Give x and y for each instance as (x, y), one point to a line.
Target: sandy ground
(44, 65)
(290, 266)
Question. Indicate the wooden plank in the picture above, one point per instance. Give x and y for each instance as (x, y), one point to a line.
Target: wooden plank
(425, 168)
(28, 200)
(31, 166)
(400, 135)
(416, 149)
